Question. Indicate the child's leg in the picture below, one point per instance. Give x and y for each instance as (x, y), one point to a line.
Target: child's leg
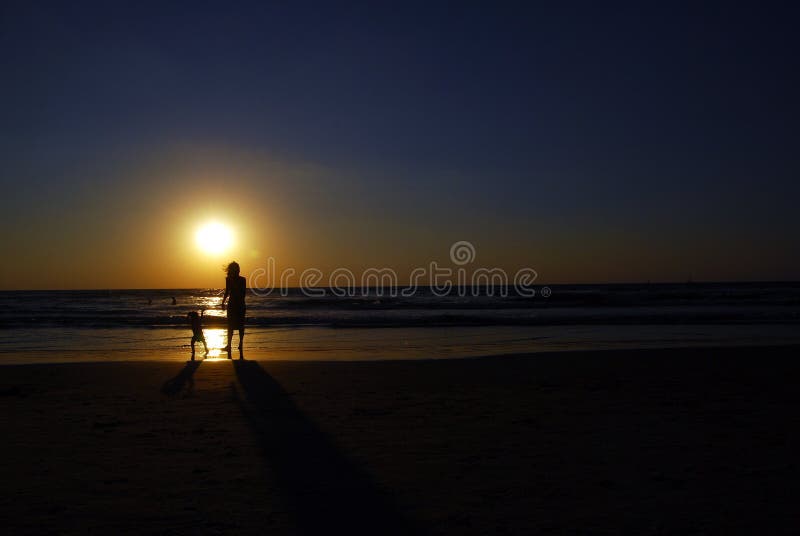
(192, 348)
(205, 345)
(241, 337)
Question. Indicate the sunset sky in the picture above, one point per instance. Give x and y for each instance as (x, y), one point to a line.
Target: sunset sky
(592, 142)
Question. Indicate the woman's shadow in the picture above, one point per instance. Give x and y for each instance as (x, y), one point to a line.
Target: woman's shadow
(323, 489)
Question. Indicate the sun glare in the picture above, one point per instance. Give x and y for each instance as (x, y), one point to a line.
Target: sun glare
(215, 338)
(214, 238)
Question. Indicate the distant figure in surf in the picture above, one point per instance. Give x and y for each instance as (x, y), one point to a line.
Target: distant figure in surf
(196, 322)
(174, 301)
(235, 287)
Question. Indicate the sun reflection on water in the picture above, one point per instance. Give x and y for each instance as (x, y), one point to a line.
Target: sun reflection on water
(215, 339)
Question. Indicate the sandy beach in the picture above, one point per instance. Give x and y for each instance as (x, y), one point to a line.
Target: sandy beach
(638, 442)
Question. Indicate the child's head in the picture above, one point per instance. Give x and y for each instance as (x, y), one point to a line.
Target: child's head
(191, 315)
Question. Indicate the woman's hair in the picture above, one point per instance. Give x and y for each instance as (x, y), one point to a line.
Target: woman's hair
(232, 269)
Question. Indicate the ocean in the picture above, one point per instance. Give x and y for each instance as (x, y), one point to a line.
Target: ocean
(52, 326)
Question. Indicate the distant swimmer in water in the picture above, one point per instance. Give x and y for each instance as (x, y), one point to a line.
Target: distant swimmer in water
(149, 301)
(174, 301)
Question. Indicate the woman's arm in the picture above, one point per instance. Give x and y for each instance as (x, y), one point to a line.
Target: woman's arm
(227, 292)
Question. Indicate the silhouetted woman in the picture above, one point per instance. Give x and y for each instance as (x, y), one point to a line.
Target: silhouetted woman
(235, 287)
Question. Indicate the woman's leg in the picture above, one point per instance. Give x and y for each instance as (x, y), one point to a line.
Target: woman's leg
(241, 337)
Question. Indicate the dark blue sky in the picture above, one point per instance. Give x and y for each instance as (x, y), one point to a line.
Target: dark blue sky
(665, 127)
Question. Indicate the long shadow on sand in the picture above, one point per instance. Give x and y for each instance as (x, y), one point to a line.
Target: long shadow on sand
(173, 386)
(325, 492)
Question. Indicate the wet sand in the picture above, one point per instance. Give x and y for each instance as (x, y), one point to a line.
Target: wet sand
(637, 442)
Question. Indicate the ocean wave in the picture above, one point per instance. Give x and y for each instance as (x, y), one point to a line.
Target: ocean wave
(777, 303)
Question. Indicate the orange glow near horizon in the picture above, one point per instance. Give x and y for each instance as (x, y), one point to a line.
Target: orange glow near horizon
(174, 217)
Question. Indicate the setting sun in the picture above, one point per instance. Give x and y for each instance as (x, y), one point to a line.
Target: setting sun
(214, 238)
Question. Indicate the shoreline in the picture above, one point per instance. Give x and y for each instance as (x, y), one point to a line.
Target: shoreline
(181, 356)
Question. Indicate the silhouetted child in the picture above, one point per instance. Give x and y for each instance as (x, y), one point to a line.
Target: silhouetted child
(197, 329)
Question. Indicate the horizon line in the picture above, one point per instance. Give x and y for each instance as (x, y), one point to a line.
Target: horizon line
(625, 283)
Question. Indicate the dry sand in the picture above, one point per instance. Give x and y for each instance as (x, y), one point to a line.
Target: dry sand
(638, 442)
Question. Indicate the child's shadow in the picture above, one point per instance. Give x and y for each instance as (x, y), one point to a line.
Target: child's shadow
(175, 385)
